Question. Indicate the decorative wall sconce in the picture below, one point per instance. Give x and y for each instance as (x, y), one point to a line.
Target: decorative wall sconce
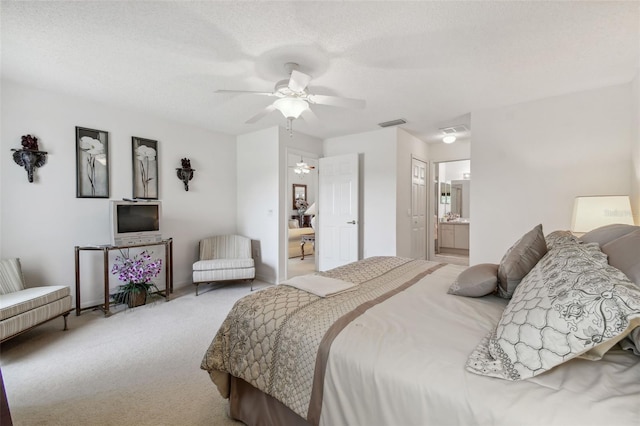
(29, 156)
(185, 173)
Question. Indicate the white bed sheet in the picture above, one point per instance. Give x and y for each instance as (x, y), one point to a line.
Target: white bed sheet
(403, 363)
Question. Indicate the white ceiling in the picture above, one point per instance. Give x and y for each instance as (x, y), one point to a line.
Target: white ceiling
(431, 63)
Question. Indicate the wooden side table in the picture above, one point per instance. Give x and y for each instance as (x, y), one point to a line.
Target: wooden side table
(309, 238)
(105, 249)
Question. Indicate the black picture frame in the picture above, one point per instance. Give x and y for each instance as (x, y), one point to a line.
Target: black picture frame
(92, 163)
(144, 154)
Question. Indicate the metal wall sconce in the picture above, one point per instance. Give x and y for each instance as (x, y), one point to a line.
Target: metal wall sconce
(185, 173)
(29, 156)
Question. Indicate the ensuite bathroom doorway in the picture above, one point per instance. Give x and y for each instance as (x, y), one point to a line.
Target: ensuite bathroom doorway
(451, 196)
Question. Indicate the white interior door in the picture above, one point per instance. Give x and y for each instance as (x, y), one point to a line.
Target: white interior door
(418, 209)
(337, 221)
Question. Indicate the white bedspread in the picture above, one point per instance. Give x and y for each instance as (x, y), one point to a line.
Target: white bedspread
(409, 369)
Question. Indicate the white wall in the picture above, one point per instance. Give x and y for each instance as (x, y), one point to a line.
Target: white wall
(258, 197)
(459, 150)
(530, 160)
(43, 221)
(378, 165)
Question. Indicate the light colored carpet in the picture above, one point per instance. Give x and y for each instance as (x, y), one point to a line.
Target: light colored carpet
(296, 267)
(138, 367)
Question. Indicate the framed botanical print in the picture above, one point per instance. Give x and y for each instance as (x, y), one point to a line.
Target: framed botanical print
(92, 163)
(145, 168)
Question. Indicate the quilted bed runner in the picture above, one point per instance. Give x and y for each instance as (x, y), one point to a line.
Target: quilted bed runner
(271, 338)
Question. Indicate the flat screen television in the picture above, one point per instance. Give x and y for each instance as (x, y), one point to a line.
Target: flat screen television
(136, 222)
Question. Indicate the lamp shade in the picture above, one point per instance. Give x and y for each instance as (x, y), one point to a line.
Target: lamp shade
(291, 107)
(596, 211)
(312, 210)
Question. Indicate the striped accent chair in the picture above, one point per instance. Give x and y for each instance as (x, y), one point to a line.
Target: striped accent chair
(22, 308)
(224, 258)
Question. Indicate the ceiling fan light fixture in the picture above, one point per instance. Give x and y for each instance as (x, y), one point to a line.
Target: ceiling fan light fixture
(291, 107)
(449, 139)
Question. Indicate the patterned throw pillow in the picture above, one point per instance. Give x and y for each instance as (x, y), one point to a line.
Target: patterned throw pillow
(559, 238)
(572, 304)
(519, 259)
(11, 279)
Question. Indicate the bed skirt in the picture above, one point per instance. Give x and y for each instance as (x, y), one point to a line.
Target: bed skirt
(254, 407)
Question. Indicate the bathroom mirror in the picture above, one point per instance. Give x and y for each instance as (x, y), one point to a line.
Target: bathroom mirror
(456, 199)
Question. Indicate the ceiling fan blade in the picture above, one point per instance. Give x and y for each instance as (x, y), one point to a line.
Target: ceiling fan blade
(310, 117)
(261, 114)
(298, 81)
(250, 92)
(338, 102)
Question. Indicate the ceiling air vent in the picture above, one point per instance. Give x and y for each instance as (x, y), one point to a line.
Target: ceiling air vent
(454, 129)
(397, 122)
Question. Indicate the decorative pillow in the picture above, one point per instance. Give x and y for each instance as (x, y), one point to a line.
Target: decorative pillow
(608, 233)
(572, 304)
(558, 238)
(293, 223)
(519, 259)
(11, 278)
(624, 254)
(476, 281)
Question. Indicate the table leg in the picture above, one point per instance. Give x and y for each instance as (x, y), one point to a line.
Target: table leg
(302, 249)
(77, 281)
(105, 260)
(168, 274)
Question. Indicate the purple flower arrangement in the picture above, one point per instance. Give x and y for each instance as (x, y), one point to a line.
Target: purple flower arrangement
(136, 272)
(137, 269)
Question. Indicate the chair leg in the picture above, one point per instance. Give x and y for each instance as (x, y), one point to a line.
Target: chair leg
(65, 321)
(252, 284)
(196, 288)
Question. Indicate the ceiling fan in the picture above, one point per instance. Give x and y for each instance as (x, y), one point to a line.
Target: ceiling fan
(302, 168)
(294, 98)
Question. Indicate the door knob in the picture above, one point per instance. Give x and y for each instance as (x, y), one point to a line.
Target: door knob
(353, 222)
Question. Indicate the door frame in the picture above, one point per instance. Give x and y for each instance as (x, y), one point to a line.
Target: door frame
(287, 204)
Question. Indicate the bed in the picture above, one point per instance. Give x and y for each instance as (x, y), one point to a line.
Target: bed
(295, 237)
(388, 340)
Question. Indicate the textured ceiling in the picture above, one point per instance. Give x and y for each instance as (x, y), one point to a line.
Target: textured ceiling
(431, 63)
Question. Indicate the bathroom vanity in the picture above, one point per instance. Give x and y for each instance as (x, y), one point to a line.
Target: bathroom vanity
(453, 237)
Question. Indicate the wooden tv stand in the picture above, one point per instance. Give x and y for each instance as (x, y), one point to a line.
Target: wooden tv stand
(105, 249)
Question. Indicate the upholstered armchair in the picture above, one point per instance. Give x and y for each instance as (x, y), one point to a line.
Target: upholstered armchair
(224, 258)
(22, 307)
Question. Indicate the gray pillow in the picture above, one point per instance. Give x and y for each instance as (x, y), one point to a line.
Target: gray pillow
(519, 260)
(476, 281)
(624, 254)
(632, 341)
(608, 233)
